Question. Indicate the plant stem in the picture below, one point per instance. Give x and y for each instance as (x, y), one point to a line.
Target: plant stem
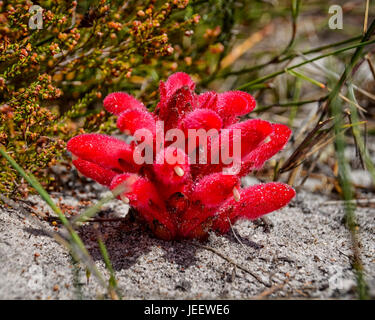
(250, 84)
(277, 59)
(288, 104)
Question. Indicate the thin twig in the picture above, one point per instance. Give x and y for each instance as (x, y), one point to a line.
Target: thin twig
(263, 79)
(232, 262)
(271, 290)
(337, 76)
(277, 59)
(234, 233)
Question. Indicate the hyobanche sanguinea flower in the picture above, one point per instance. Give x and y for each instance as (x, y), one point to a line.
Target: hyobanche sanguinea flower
(186, 199)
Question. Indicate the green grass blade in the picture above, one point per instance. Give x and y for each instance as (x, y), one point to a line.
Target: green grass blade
(112, 279)
(356, 132)
(76, 242)
(249, 86)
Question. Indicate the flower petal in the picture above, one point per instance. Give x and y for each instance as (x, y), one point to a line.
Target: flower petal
(133, 119)
(177, 81)
(95, 172)
(172, 166)
(105, 151)
(177, 106)
(118, 102)
(255, 201)
(196, 222)
(143, 196)
(235, 103)
(277, 140)
(207, 100)
(253, 132)
(212, 190)
(221, 149)
(205, 119)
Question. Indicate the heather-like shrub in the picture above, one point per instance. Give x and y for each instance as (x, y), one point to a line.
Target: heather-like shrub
(52, 78)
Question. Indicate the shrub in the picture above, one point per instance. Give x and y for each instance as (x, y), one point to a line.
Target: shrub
(52, 78)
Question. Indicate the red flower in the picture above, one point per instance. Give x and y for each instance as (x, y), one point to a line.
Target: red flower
(184, 198)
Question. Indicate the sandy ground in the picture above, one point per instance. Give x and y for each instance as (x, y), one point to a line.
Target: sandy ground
(306, 254)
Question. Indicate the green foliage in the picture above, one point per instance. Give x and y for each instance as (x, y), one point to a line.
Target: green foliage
(52, 80)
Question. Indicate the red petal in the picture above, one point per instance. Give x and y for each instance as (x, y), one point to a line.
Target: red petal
(118, 102)
(255, 202)
(214, 189)
(177, 203)
(138, 189)
(277, 140)
(177, 106)
(134, 119)
(235, 103)
(195, 218)
(207, 100)
(200, 119)
(253, 132)
(177, 81)
(144, 197)
(227, 121)
(173, 173)
(105, 151)
(162, 92)
(95, 172)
